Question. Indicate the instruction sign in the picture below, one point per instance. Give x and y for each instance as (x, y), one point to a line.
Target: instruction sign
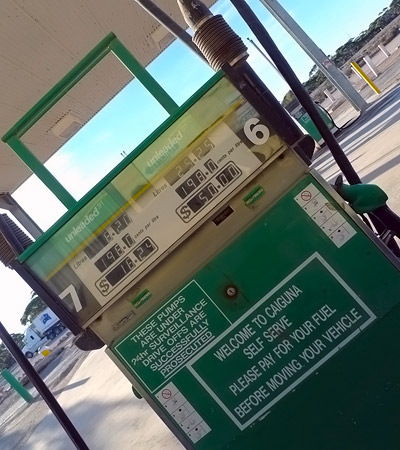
(305, 327)
(171, 336)
(279, 342)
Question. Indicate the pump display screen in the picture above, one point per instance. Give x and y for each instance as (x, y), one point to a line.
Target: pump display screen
(98, 244)
(121, 223)
(171, 185)
(177, 172)
(190, 184)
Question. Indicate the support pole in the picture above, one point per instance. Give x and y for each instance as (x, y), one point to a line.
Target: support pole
(327, 67)
(329, 95)
(43, 390)
(298, 89)
(16, 385)
(383, 49)
(372, 66)
(170, 24)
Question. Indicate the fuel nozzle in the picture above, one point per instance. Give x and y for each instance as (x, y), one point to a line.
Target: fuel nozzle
(194, 12)
(212, 35)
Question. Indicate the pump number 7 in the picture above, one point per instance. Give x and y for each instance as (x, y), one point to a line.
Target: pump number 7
(70, 290)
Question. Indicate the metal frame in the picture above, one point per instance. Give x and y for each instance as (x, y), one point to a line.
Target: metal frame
(356, 218)
(8, 203)
(121, 166)
(43, 390)
(109, 44)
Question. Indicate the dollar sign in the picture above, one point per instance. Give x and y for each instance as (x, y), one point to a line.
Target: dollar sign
(185, 212)
(104, 286)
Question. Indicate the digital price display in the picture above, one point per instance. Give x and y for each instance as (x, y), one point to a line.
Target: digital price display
(203, 148)
(191, 183)
(97, 244)
(202, 197)
(228, 174)
(179, 170)
(119, 272)
(121, 223)
(143, 250)
(109, 258)
(215, 185)
(155, 200)
(134, 258)
(210, 165)
(128, 241)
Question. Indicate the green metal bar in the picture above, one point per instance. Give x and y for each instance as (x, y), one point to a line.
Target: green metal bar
(133, 65)
(121, 166)
(16, 385)
(60, 89)
(41, 171)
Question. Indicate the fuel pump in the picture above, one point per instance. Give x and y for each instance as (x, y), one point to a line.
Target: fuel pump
(244, 301)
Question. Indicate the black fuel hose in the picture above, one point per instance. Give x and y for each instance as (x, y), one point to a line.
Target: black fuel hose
(283, 66)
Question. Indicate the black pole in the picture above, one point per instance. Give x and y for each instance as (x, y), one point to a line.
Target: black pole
(47, 295)
(170, 24)
(298, 89)
(225, 50)
(247, 82)
(15, 243)
(43, 390)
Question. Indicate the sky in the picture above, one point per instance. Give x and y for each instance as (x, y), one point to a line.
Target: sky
(119, 127)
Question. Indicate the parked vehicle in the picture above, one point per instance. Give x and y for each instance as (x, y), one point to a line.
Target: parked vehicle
(46, 326)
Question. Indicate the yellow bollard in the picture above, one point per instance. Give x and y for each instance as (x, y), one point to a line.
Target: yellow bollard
(45, 351)
(365, 77)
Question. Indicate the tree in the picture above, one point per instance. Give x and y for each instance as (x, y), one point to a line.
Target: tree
(34, 307)
(18, 338)
(313, 71)
(6, 360)
(288, 98)
(345, 52)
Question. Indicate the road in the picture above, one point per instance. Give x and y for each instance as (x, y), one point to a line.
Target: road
(98, 398)
(17, 418)
(372, 145)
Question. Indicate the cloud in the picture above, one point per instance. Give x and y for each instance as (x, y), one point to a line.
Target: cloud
(39, 202)
(15, 295)
(106, 135)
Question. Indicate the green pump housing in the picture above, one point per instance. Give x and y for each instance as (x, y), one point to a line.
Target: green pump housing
(244, 301)
(363, 198)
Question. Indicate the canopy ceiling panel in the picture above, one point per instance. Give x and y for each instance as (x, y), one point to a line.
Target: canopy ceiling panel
(41, 40)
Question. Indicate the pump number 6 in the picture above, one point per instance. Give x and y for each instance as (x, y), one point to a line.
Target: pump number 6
(256, 132)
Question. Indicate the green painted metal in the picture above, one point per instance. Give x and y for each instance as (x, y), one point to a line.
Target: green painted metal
(41, 172)
(363, 198)
(298, 358)
(301, 115)
(87, 198)
(141, 299)
(133, 65)
(254, 195)
(61, 88)
(16, 385)
(109, 43)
